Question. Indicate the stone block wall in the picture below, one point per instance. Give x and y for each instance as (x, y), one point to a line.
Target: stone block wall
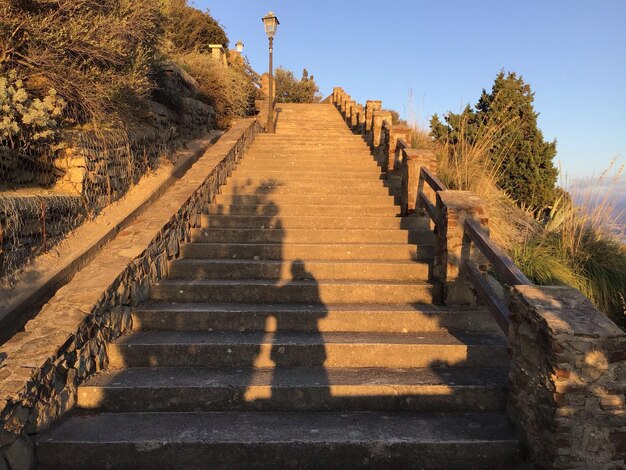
(567, 379)
(41, 368)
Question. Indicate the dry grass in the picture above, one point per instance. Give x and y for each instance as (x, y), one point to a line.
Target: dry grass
(97, 54)
(581, 233)
(572, 244)
(468, 166)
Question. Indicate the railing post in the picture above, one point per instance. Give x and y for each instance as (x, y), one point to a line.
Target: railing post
(412, 162)
(350, 109)
(360, 118)
(380, 117)
(370, 107)
(395, 132)
(344, 104)
(567, 379)
(453, 247)
(353, 114)
(336, 93)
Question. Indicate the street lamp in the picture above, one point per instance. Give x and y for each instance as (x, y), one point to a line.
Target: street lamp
(239, 46)
(271, 25)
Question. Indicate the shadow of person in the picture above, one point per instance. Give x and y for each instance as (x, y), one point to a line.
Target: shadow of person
(298, 349)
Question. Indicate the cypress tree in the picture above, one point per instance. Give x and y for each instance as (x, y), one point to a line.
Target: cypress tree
(528, 172)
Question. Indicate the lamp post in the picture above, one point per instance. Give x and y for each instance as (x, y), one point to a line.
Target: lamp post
(271, 25)
(239, 46)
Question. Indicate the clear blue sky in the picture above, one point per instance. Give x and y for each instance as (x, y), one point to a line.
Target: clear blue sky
(572, 52)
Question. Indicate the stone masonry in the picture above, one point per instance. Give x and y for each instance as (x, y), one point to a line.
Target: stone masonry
(452, 249)
(567, 379)
(412, 161)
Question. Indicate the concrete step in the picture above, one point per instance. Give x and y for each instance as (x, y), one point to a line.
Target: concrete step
(305, 181)
(325, 153)
(317, 155)
(347, 162)
(295, 389)
(314, 222)
(295, 235)
(301, 149)
(240, 440)
(330, 200)
(305, 291)
(374, 190)
(287, 172)
(298, 270)
(324, 141)
(361, 167)
(321, 350)
(294, 251)
(301, 133)
(389, 318)
(287, 210)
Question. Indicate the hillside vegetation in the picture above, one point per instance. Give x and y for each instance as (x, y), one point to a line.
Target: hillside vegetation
(67, 63)
(497, 152)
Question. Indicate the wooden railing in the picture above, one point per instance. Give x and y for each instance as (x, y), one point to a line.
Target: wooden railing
(475, 235)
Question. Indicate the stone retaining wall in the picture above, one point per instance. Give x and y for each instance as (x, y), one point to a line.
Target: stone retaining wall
(567, 379)
(41, 368)
(97, 169)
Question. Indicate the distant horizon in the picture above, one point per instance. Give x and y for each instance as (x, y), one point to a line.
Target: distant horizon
(570, 52)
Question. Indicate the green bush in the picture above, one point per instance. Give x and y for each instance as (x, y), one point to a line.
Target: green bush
(571, 245)
(527, 173)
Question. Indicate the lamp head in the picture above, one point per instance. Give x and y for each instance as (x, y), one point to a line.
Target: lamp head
(271, 24)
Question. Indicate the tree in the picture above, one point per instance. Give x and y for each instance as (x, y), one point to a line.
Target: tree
(290, 90)
(527, 171)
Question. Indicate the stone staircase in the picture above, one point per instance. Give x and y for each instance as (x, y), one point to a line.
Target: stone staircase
(298, 330)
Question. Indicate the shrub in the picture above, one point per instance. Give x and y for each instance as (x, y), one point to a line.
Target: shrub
(396, 119)
(27, 121)
(228, 89)
(97, 54)
(570, 245)
(580, 232)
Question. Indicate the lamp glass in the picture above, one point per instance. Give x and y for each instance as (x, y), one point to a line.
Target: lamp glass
(271, 24)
